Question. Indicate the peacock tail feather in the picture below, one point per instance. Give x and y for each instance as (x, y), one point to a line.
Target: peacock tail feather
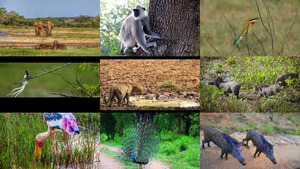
(141, 144)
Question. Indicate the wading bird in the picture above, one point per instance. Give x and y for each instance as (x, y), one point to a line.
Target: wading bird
(56, 122)
(247, 26)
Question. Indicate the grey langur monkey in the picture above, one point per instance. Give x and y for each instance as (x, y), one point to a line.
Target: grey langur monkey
(134, 29)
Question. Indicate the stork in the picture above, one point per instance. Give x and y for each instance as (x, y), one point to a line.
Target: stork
(56, 122)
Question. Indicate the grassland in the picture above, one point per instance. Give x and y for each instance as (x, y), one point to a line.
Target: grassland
(251, 73)
(34, 52)
(42, 86)
(18, 131)
(79, 42)
(216, 29)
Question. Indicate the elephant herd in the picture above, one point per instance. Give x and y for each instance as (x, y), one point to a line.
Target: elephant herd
(47, 26)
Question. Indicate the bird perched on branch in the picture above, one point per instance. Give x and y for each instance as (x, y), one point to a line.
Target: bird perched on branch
(56, 122)
(247, 26)
(141, 144)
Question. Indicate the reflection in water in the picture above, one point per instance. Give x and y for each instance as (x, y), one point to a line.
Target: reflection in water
(4, 34)
(176, 103)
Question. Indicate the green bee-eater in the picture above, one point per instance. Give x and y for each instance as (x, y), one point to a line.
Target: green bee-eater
(244, 30)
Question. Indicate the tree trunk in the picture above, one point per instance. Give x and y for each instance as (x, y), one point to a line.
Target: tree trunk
(179, 22)
(188, 126)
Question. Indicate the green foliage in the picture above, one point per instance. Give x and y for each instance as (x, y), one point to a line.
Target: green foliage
(18, 131)
(291, 118)
(267, 130)
(170, 85)
(182, 152)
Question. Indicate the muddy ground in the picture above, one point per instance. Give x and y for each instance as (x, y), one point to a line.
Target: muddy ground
(21, 38)
(286, 147)
(148, 75)
(109, 162)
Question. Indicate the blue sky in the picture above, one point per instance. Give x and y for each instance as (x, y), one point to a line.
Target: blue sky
(52, 8)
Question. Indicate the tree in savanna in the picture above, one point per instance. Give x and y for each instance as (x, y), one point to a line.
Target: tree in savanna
(14, 18)
(3, 15)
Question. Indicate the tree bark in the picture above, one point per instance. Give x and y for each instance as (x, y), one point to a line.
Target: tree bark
(179, 22)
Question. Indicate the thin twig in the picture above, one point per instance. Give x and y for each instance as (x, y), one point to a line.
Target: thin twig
(273, 35)
(262, 21)
(262, 46)
(298, 53)
(247, 40)
(45, 72)
(281, 50)
(66, 95)
(271, 18)
(211, 44)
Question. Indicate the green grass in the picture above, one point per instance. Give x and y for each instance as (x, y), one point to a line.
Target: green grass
(18, 131)
(42, 86)
(35, 52)
(251, 72)
(76, 36)
(216, 29)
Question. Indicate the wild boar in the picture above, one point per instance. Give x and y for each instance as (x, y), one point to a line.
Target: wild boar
(281, 79)
(229, 86)
(268, 90)
(227, 144)
(262, 145)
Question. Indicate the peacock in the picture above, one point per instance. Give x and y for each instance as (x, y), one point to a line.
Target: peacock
(141, 144)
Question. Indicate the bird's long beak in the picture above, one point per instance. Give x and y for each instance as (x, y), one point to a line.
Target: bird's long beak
(38, 150)
(254, 19)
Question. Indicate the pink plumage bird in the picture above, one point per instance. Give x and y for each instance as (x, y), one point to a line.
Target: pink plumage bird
(56, 121)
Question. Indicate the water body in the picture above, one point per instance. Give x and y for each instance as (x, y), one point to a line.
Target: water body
(176, 103)
(4, 34)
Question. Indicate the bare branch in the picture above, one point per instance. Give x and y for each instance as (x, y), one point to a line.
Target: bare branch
(262, 46)
(262, 21)
(210, 44)
(281, 50)
(46, 72)
(66, 95)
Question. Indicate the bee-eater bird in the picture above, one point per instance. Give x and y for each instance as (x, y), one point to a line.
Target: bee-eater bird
(56, 122)
(247, 26)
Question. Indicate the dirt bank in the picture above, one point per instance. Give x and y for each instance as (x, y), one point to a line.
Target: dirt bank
(108, 162)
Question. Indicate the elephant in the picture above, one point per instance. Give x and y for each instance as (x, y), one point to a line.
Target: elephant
(43, 46)
(58, 46)
(47, 26)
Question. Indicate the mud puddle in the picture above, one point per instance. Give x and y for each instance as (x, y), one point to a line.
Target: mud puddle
(175, 103)
(4, 34)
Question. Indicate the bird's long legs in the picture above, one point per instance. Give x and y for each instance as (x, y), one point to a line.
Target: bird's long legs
(53, 144)
(68, 149)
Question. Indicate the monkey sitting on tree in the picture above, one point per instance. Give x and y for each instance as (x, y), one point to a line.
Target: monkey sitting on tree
(134, 29)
